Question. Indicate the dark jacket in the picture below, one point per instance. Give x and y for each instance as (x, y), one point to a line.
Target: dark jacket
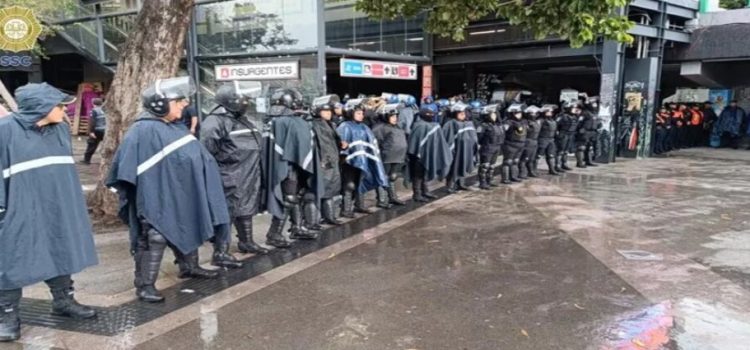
(392, 143)
(98, 121)
(491, 138)
(327, 143)
(236, 143)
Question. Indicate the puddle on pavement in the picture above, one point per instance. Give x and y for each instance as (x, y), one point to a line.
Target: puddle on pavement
(688, 324)
(731, 250)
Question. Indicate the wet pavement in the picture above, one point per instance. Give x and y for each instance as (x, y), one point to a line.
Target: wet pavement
(647, 254)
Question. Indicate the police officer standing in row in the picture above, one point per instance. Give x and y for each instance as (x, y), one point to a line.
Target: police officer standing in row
(292, 168)
(327, 145)
(567, 124)
(45, 231)
(515, 141)
(236, 144)
(547, 132)
(392, 142)
(170, 190)
(491, 138)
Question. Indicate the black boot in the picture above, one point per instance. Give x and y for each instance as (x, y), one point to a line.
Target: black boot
(461, 185)
(514, 173)
(564, 163)
(222, 258)
(382, 196)
(484, 178)
(298, 230)
(579, 159)
(10, 321)
(522, 171)
(426, 191)
(530, 168)
(416, 187)
(329, 212)
(190, 268)
(246, 244)
(452, 185)
(587, 159)
(359, 204)
(505, 174)
(312, 216)
(147, 264)
(347, 209)
(392, 196)
(552, 168)
(63, 303)
(275, 236)
(491, 178)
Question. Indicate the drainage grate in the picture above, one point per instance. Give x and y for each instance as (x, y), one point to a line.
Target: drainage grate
(118, 319)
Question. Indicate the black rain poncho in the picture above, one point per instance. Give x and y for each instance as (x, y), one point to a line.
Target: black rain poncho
(427, 143)
(164, 175)
(462, 140)
(327, 145)
(235, 143)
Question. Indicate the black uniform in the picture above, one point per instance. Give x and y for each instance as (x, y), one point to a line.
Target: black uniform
(585, 138)
(291, 168)
(392, 143)
(491, 139)
(236, 144)
(547, 146)
(515, 141)
(327, 143)
(527, 166)
(567, 124)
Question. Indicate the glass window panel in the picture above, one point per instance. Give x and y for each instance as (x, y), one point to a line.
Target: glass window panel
(256, 26)
(307, 84)
(84, 34)
(350, 29)
(114, 6)
(116, 31)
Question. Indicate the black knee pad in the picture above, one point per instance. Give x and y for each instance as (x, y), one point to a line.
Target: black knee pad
(516, 161)
(393, 176)
(308, 197)
(156, 238)
(350, 186)
(291, 199)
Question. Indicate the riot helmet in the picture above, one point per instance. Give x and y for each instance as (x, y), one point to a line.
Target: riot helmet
(236, 96)
(548, 110)
(354, 106)
(489, 112)
(516, 110)
(324, 103)
(458, 110)
(157, 96)
(532, 112)
(427, 114)
(387, 111)
(428, 100)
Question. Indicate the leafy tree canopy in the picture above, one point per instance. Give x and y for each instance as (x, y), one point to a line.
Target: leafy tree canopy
(579, 21)
(733, 4)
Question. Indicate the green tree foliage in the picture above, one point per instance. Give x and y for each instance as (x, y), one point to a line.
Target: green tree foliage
(579, 21)
(733, 4)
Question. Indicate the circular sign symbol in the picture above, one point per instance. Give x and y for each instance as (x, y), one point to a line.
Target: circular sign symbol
(16, 29)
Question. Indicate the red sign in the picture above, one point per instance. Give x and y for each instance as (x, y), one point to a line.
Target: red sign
(426, 81)
(377, 70)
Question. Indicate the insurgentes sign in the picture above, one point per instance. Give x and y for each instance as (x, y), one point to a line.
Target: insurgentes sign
(377, 69)
(258, 71)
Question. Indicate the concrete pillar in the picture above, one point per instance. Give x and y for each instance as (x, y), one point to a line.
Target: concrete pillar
(611, 77)
(640, 79)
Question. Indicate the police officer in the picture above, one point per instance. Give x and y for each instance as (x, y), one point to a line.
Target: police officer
(567, 124)
(45, 231)
(527, 167)
(361, 167)
(429, 156)
(491, 138)
(392, 142)
(292, 168)
(515, 141)
(547, 132)
(327, 144)
(236, 144)
(170, 188)
(584, 138)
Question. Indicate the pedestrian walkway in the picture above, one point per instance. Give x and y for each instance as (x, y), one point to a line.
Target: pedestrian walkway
(647, 254)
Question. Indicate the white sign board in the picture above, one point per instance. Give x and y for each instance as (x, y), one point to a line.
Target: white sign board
(377, 69)
(258, 71)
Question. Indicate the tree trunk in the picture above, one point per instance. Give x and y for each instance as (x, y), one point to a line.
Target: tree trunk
(152, 51)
